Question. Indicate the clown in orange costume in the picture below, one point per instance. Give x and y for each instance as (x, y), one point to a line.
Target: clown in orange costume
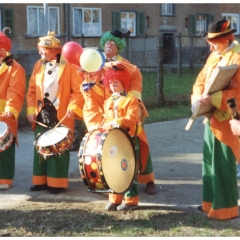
(12, 91)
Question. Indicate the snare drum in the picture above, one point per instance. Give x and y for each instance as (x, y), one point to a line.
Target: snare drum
(107, 160)
(54, 142)
(6, 136)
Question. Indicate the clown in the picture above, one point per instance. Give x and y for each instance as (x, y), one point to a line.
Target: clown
(53, 95)
(221, 149)
(121, 110)
(12, 90)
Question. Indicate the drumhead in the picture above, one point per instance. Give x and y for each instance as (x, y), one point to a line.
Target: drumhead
(51, 137)
(118, 160)
(3, 128)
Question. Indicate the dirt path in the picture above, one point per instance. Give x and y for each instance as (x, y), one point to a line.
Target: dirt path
(176, 156)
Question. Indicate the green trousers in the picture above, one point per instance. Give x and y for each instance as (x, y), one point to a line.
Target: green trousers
(7, 164)
(218, 173)
(52, 171)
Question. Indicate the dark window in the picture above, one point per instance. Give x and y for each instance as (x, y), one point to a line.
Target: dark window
(129, 21)
(167, 9)
(198, 23)
(8, 21)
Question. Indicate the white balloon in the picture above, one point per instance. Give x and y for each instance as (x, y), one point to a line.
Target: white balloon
(91, 60)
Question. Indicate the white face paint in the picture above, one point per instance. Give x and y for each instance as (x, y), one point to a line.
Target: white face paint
(115, 86)
(47, 54)
(3, 54)
(110, 49)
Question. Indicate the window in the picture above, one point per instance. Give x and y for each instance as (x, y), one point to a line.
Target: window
(201, 24)
(7, 20)
(36, 23)
(167, 9)
(130, 21)
(234, 19)
(87, 21)
(198, 23)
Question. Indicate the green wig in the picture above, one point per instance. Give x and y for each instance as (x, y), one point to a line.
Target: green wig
(107, 36)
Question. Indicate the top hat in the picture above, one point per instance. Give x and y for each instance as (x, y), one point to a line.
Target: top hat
(49, 41)
(117, 33)
(219, 28)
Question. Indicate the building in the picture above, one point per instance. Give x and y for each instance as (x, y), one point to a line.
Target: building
(85, 23)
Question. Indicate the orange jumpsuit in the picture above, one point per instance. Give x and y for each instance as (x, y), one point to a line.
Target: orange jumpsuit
(12, 91)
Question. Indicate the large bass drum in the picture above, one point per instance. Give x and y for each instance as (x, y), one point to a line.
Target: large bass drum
(107, 160)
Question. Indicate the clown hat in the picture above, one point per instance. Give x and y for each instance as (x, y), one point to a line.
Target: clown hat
(49, 41)
(115, 36)
(219, 28)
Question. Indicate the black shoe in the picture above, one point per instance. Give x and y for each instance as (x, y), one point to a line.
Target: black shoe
(39, 187)
(151, 188)
(200, 208)
(56, 190)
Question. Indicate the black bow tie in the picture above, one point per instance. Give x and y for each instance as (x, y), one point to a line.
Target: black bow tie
(110, 60)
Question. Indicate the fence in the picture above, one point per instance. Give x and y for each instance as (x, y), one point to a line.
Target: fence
(165, 81)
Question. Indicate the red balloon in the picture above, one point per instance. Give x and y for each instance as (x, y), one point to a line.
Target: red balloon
(72, 51)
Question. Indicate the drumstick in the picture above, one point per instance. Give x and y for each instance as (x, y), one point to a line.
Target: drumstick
(40, 124)
(58, 124)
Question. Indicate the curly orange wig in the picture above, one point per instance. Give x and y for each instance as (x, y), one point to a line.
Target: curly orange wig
(117, 72)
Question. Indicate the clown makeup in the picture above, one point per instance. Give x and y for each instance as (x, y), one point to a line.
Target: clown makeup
(110, 49)
(3, 54)
(115, 86)
(47, 54)
(112, 44)
(213, 47)
(219, 47)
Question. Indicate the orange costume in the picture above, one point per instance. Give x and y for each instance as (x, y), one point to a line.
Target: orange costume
(53, 95)
(68, 94)
(12, 90)
(221, 149)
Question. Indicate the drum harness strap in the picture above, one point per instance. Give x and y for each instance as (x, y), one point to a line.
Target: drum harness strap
(138, 156)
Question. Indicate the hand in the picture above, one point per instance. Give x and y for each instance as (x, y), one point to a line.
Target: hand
(31, 117)
(70, 114)
(205, 100)
(194, 106)
(110, 125)
(235, 127)
(8, 115)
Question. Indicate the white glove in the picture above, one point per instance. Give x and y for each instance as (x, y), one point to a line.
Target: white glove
(194, 106)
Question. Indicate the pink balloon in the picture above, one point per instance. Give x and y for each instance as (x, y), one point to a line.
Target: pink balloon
(72, 51)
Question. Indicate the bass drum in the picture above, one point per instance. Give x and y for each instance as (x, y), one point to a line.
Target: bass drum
(107, 160)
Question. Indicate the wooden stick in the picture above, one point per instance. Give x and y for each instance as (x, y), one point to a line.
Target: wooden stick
(40, 124)
(58, 124)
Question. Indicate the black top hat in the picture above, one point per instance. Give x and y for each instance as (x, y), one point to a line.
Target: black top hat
(219, 28)
(117, 33)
